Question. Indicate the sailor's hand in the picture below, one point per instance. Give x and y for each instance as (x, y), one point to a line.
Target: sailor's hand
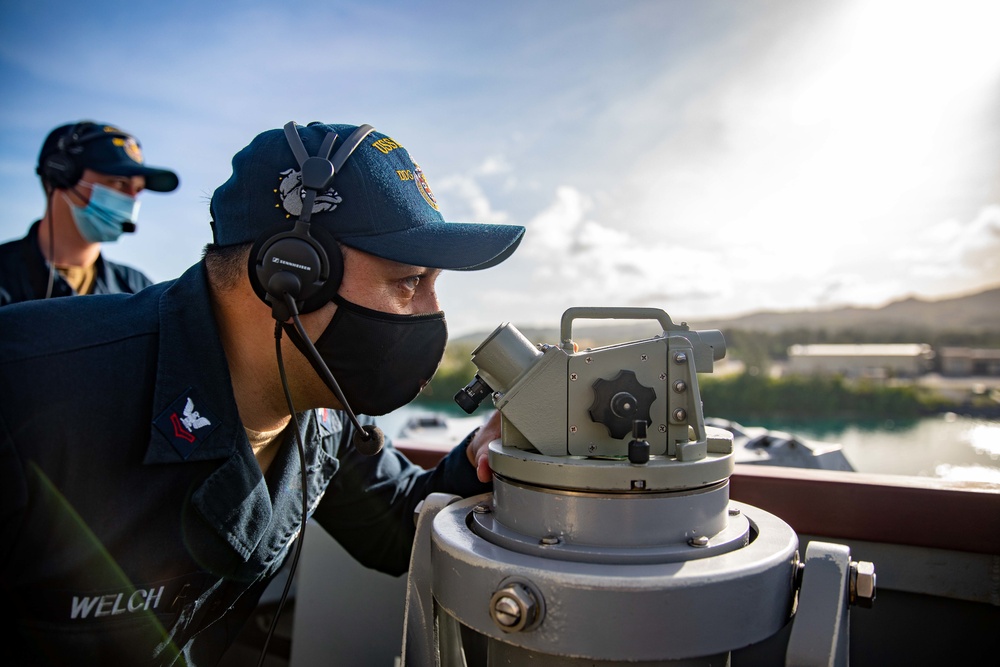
(479, 447)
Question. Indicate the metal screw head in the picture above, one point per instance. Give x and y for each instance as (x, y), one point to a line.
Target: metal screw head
(862, 586)
(643, 357)
(700, 541)
(679, 415)
(550, 540)
(513, 608)
(482, 509)
(662, 428)
(589, 360)
(680, 386)
(592, 448)
(572, 429)
(573, 376)
(734, 511)
(680, 358)
(506, 612)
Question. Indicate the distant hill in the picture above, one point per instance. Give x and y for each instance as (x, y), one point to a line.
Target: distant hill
(971, 313)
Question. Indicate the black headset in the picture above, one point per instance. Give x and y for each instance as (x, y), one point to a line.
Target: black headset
(296, 269)
(63, 169)
(297, 259)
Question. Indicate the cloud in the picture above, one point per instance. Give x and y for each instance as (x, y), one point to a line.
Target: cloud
(492, 166)
(941, 260)
(552, 233)
(466, 201)
(965, 251)
(579, 257)
(710, 158)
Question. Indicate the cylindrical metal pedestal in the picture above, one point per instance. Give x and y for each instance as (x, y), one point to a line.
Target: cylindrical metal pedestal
(585, 612)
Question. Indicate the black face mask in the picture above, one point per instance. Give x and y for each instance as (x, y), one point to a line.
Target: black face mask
(380, 360)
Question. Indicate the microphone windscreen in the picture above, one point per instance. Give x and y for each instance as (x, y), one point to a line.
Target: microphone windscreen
(369, 442)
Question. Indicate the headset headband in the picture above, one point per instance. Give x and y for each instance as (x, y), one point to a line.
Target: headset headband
(318, 170)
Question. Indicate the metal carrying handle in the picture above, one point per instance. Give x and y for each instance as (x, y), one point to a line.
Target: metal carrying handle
(611, 313)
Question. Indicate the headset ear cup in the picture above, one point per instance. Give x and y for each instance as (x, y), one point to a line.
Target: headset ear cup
(283, 242)
(254, 260)
(61, 171)
(335, 261)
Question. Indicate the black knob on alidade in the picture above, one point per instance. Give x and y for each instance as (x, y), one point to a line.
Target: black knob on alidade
(638, 447)
(623, 404)
(621, 401)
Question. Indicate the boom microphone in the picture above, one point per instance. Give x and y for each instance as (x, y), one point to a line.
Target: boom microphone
(369, 441)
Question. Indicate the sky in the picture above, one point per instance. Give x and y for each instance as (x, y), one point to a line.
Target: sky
(709, 158)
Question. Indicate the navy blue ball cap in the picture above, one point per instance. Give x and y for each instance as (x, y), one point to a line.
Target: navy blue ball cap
(106, 149)
(379, 202)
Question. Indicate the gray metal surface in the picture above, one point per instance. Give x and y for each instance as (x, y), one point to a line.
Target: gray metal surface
(820, 632)
(955, 574)
(504, 356)
(712, 344)
(548, 394)
(421, 647)
(665, 611)
(648, 360)
(610, 528)
(538, 407)
(595, 474)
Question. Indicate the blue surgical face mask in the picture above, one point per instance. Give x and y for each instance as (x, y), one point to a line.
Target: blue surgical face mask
(102, 219)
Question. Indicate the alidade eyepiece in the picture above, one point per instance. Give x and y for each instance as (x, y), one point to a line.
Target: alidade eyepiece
(474, 393)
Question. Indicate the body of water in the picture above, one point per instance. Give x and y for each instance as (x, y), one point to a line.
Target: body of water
(949, 446)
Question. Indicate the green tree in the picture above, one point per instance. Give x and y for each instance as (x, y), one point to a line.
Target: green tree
(455, 371)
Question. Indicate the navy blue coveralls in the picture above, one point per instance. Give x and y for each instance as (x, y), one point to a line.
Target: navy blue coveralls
(136, 527)
(24, 273)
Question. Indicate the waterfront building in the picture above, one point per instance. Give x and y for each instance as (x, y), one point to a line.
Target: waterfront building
(867, 360)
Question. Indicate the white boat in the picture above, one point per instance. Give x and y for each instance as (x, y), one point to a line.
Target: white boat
(757, 445)
(437, 429)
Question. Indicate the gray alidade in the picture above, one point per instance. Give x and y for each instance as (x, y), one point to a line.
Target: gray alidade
(610, 537)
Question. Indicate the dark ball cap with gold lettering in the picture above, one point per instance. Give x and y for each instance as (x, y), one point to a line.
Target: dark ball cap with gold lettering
(103, 148)
(379, 202)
